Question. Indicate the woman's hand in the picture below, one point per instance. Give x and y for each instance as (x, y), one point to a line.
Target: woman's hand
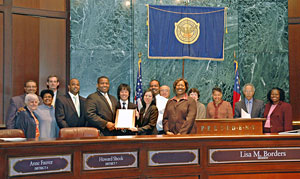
(133, 129)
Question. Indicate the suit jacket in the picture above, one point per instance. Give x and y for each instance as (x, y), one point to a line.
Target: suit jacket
(66, 114)
(257, 108)
(15, 103)
(281, 117)
(130, 105)
(179, 117)
(147, 122)
(98, 112)
(25, 121)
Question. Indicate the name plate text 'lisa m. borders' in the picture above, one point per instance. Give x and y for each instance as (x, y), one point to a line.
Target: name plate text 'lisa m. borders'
(20, 166)
(98, 161)
(173, 157)
(243, 155)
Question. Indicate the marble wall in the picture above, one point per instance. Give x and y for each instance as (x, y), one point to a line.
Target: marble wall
(106, 36)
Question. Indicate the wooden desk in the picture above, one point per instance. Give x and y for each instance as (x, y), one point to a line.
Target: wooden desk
(179, 157)
(252, 126)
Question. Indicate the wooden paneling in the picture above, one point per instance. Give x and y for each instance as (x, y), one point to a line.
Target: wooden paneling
(1, 65)
(294, 8)
(258, 176)
(25, 62)
(1, 1)
(294, 56)
(54, 5)
(269, 167)
(52, 51)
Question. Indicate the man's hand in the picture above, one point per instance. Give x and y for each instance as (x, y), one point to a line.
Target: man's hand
(110, 126)
(169, 133)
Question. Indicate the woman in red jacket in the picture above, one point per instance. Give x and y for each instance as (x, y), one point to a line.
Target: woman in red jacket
(277, 112)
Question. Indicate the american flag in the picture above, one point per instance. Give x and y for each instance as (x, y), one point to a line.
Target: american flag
(139, 90)
(236, 88)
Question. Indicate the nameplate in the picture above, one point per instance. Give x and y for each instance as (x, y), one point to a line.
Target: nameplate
(173, 157)
(243, 155)
(98, 161)
(20, 166)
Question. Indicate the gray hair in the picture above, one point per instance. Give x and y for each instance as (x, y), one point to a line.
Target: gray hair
(249, 84)
(31, 97)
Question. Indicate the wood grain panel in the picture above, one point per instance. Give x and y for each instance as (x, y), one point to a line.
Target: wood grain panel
(294, 65)
(294, 8)
(53, 5)
(25, 62)
(258, 176)
(52, 51)
(1, 67)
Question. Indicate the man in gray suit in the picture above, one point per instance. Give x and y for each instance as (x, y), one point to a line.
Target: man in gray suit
(101, 108)
(254, 107)
(16, 102)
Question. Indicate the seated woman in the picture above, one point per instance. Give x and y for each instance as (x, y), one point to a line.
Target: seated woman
(277, 112)
(26, 119)
(146, 123)
(180, 112)
(123, 93)
(218, 109)
(201, 111)
(45, 113)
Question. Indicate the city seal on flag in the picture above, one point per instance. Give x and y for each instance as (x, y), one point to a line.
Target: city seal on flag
(187, 30)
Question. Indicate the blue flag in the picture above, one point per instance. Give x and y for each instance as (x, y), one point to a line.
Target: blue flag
(186, 32)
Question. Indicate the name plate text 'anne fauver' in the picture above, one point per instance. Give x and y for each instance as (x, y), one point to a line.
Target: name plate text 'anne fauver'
(20, 166)
(243, 155)
(97, 161)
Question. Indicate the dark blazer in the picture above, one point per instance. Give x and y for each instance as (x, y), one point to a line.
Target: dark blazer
(281, 118)
(98, 112)
(25, 121)
(257, 108)
(66, 114)
(147, 123)
(130, 105)
(15, 103)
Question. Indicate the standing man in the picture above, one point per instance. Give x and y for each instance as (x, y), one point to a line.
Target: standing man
(16, 102)
(254, 107)
(101, 108)
(160, 104)
(70, 108)
(53, 84)
(164, 91)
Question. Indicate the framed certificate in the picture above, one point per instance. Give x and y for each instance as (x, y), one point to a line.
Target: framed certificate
(125, 118)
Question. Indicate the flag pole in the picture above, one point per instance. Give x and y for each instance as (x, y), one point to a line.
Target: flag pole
(186, 4)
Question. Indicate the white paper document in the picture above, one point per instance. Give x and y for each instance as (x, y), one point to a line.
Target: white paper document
(125, 118)
(245, 115)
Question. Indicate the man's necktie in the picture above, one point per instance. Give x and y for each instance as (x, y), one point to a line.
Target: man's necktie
(249, 107)
(108, 100)
(124, 105)
(77, 106)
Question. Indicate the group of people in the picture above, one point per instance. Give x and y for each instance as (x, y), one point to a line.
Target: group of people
(42, 116)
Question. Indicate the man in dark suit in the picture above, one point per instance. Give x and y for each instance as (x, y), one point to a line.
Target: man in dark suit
(53, 84)
(69, 109)
(124, 103)
(101, 108)
(250, 105)
(16, 102)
